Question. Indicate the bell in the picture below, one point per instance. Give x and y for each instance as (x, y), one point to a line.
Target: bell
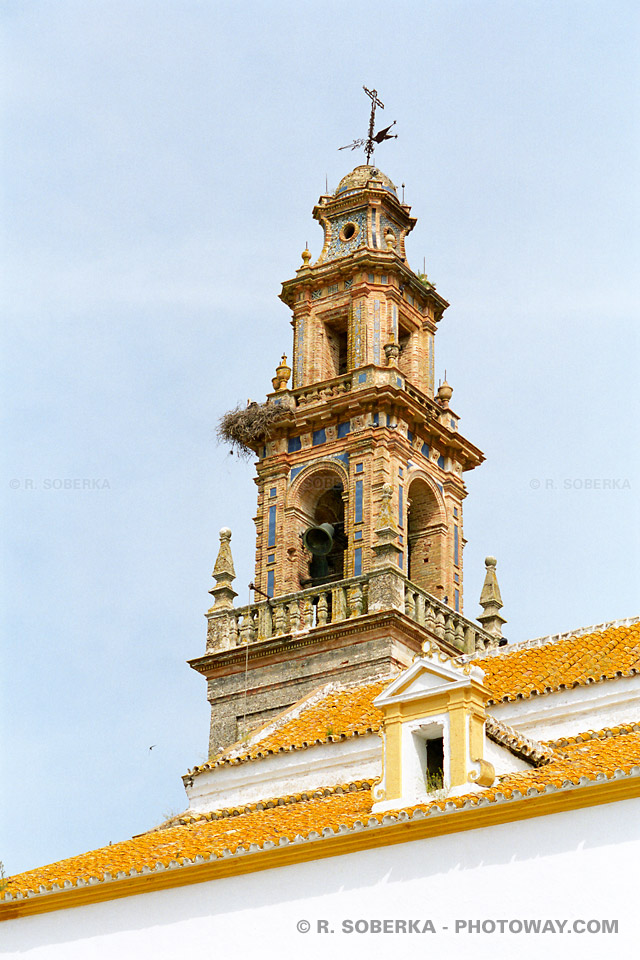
(319, 540)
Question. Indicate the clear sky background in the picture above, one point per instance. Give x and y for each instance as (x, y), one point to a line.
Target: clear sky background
(160, 164)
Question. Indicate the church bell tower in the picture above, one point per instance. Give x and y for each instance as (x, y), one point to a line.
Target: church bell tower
(360, 464)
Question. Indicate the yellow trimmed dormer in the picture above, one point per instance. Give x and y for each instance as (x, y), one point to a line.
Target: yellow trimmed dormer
(433, 732)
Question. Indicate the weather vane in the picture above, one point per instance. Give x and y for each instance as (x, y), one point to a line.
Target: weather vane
(370, 140)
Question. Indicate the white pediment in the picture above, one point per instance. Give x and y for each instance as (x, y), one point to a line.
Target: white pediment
(429, 674)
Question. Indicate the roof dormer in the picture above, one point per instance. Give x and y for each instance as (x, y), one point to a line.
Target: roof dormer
(433, 733)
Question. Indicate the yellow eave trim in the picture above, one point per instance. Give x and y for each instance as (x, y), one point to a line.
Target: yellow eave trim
(508, 811)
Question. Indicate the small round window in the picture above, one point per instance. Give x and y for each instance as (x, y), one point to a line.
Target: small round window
(349, 230)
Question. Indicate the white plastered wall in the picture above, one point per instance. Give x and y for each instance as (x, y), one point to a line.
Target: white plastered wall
(573, 865)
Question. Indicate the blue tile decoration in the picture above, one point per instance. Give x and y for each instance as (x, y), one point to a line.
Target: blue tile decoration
(359, 467)
(401, 560)
(386, 225)
(441, 462)
(357, 561)
(399, 381)
(344, 429)
(299, 351)
(400, 472)
(400, 506)
(376, 332)
(409, 435)
(362, 378)
(358, 504)
(271, 542)
(341, 457)
(358, 335)
(374, 231)
(375, 420)
(319, 436)
(457, 594)
(340, 248)
(271, 582)
(293, 444)
(357, 535)
(272, 492)
(455, 545)
(394, 321)
(271, 558)
(456, 578)
(440, 487)
(425, 450)
(455, 511)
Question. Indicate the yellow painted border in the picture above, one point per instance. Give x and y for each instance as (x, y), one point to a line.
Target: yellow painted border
(560, 801)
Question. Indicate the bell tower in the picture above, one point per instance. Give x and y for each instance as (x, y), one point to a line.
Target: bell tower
(360, 463)
(361, 412)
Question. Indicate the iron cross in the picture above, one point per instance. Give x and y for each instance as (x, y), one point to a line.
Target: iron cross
(370, 140)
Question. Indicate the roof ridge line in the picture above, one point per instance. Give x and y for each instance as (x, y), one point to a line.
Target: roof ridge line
(619, 730)
(268, 803)
(551, 638)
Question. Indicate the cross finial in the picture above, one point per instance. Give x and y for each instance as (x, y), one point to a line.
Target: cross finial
(370, 140)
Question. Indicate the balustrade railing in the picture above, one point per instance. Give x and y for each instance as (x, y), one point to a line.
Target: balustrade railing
(301, 611)
(336, 602)
(443, 622)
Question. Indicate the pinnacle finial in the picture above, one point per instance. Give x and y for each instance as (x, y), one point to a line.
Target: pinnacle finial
(224, 574)
(283, 372)
(491, 601)
(306, 257)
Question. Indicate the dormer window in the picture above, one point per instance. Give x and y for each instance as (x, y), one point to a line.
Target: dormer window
(435, 763)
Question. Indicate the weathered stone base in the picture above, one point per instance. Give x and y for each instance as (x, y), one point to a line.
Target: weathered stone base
(247, 686)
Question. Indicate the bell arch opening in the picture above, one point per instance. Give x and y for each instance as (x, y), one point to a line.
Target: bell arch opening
(425, 536)
(320, 512)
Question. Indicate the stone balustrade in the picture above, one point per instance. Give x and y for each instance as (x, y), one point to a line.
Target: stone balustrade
(336, 602)
(443, 622)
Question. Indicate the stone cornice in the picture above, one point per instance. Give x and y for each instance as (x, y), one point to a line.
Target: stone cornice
(234, 660)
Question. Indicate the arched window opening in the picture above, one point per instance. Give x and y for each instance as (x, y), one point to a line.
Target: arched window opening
(424, 537)
(323, 542)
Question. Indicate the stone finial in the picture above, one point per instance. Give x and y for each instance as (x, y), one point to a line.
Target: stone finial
(392, 352)
(224, 574)
(306, 257)
(283, 372)
(445, 392)
(491, 601)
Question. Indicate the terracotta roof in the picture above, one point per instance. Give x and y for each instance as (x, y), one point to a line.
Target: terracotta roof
(331, 714)
(268, 804)
(200, 839)
(605, 756)
(564, 663)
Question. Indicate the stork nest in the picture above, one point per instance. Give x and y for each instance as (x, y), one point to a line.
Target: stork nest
(248, 428)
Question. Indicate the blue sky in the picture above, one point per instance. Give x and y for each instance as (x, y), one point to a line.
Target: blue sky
(160, 164)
